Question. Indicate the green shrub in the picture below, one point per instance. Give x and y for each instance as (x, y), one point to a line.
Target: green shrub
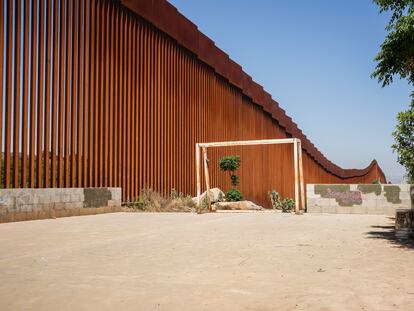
(230, 163)
(287, 205)
(275, 199)
(234, 180)
(234, 195)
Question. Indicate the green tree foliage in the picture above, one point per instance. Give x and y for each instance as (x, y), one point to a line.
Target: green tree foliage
(231, 164)
(396, 58)
(404, 141)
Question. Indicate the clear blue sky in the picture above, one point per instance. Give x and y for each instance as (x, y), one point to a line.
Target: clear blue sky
(315, 58)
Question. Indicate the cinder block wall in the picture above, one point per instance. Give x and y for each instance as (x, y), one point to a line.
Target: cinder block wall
(28, 204)
(359, 199)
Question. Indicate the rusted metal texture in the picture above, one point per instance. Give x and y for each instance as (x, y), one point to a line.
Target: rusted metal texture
(117, 93)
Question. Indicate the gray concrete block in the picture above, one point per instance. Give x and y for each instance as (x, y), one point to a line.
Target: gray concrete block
(329, 209)
(76, 198)
(26, 208)
(66, 198)
(116, 193)
(371, 203)
(310, 188)
(343, 210)
(44, 199)
(311, 201)
(313, 209)
(59, 206)
(358, 210)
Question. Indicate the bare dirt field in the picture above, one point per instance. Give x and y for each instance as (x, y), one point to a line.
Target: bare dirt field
(233, 261)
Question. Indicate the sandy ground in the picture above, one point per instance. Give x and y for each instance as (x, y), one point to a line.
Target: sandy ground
(254, 261)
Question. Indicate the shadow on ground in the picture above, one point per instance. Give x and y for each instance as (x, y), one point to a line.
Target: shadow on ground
(388, 233)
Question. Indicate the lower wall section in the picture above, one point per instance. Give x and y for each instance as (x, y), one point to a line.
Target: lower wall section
(359, 199)
(28, 204)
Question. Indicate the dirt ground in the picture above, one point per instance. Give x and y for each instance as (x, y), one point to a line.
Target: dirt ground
(222, 261)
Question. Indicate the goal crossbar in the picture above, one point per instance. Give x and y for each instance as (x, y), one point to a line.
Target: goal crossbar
(297, 159)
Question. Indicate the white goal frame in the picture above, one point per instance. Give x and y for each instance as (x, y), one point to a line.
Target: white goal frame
(297, 159)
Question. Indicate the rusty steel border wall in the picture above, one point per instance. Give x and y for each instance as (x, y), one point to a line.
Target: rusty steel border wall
(117, 93)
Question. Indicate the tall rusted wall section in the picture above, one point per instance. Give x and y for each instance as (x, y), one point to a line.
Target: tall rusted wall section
(117, 93)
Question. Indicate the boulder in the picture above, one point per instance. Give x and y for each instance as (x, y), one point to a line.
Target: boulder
(214, 195)
(240, 206)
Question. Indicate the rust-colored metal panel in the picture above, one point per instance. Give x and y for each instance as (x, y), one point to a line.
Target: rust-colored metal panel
(122, 100)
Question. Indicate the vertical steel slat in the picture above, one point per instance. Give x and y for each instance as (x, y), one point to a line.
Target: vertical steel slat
(16, 122)
(138, 103)
(106, 102)
(124, 105)
(74, 92)
(62, 73)
(116, 97)
(97, 97)
(144, 78)
(91, 126)
(46, 172)
(25, 94)
(1, 89)
(141, 102)
(132, 118)
(120, 100)
(40, 97)
(86, 99)
(102, 100)
(128, 111)
(151, 103)
(157, 111)
(55, 79)
(33, 75)
(9, 96)
(110, 30)
(68, 98)
(80, 98)
(165, 135)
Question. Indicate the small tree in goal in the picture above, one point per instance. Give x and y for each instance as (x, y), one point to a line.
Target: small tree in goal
(231, 164)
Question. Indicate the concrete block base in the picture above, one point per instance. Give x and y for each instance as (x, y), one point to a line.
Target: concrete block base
(31, 204)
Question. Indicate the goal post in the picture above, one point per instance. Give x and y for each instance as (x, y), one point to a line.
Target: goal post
(297, 159)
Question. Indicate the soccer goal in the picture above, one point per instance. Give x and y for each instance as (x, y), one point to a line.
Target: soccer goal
(297, 160)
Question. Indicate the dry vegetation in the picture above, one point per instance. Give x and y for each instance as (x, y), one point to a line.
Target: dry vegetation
(152, 201)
